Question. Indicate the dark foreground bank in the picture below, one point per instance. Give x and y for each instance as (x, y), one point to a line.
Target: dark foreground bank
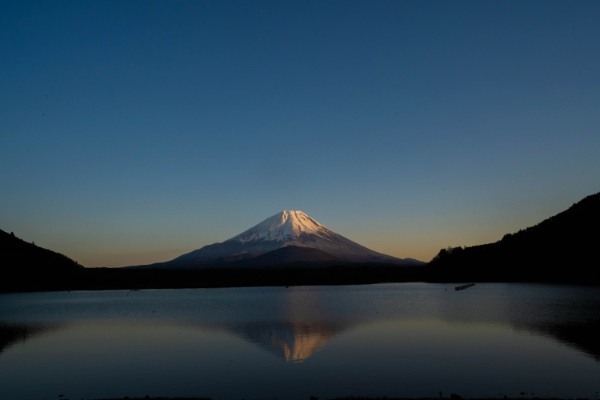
(453, 397)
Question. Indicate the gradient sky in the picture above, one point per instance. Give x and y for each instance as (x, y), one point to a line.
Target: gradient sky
(135, 131)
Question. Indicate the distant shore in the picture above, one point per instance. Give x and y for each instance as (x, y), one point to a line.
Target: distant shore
(136, 279)
(133, 279)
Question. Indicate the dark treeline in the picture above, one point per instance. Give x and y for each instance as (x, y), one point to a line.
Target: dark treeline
(26, 266)
(563, 248)
(32, 258)
(118, 278)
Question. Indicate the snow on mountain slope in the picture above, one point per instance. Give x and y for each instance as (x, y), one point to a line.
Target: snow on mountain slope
(283, 226)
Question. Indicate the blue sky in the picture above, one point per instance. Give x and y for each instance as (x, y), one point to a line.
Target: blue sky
(135, 131)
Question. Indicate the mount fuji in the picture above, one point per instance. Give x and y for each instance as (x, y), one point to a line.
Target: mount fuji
(286, 238)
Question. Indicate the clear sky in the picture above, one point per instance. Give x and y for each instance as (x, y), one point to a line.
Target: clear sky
(135, 131)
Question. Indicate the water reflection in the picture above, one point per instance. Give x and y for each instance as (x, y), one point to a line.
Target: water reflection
(295, 323)
(567, 314)
(294, 341)
(583, 337)
(571, 315)
(11, 334)
(304, 323)
(379, 340)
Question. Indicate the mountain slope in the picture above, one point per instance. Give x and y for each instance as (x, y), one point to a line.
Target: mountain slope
(562, 248)
(27, 266)
(293, 255)
(282, 230)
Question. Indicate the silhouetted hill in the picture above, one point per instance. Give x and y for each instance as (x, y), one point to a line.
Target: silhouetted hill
(26, 266)
(563, 248)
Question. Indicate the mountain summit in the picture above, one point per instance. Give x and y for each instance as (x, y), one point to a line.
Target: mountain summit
(283, 226)
(288, 237)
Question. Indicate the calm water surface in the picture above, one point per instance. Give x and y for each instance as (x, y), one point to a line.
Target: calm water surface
(290, 343)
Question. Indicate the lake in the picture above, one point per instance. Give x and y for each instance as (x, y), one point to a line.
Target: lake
(412, 339)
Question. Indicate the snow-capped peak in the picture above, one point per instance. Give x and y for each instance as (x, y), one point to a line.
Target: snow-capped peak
(283, 226)
(291, 229)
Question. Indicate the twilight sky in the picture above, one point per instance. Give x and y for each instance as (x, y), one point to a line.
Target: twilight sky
(135, 131)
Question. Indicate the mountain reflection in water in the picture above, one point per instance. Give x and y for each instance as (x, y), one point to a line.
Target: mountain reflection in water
(372, 340)
(295, 341)
(305, 324)
(571, 319)
(295, 323)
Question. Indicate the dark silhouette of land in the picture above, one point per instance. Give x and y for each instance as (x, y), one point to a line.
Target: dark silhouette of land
(11, 333)
(561, 249)
(26, 266)
(291, 275)
(452, 396)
